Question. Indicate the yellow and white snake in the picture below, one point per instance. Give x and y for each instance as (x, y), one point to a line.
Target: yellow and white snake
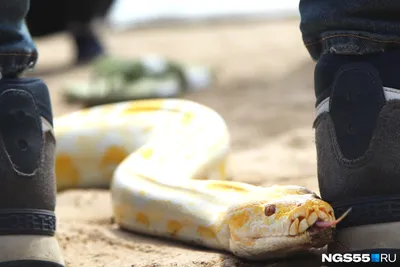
(166, 163)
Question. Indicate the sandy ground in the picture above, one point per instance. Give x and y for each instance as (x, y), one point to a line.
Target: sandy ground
(264, 91)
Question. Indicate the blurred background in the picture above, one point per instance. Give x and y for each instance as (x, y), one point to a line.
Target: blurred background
(245, 59)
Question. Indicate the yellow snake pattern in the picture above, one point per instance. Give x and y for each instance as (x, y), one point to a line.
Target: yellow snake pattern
(165, 163)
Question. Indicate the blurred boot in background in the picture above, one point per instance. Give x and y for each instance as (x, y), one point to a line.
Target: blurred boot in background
(77, 17)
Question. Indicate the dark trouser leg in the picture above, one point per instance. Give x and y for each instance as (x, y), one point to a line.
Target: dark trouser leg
(17, 51)
(350, 27)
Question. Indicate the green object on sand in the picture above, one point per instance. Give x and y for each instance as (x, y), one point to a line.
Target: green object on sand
(116, 80)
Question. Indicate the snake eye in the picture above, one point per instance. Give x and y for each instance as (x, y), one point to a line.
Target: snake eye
(269, 210)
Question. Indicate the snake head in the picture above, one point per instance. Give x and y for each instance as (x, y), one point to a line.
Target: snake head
(279, 222)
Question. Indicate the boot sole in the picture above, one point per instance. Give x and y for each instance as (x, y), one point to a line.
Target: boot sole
(372, 236)
(30, 251)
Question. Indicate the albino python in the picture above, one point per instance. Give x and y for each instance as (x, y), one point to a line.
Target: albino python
(165, 162)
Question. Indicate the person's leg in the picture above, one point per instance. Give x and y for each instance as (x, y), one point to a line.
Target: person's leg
(357, 86)
(27, 181)
(88, 45)
(17, 51)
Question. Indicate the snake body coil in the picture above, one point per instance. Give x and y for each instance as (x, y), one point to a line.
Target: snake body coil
(165, 161)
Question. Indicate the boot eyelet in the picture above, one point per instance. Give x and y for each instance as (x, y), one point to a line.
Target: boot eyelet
(22, 144)
(351, 129)
(20, 115)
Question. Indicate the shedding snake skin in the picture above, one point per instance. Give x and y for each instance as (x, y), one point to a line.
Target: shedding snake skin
(165, 162)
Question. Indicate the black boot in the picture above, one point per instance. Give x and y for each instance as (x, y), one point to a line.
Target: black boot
(358, 147)
(27, 180)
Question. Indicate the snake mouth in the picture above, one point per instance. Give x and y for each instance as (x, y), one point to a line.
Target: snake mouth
(316, 221)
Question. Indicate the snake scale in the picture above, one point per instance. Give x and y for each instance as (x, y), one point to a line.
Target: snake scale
(165, 163)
